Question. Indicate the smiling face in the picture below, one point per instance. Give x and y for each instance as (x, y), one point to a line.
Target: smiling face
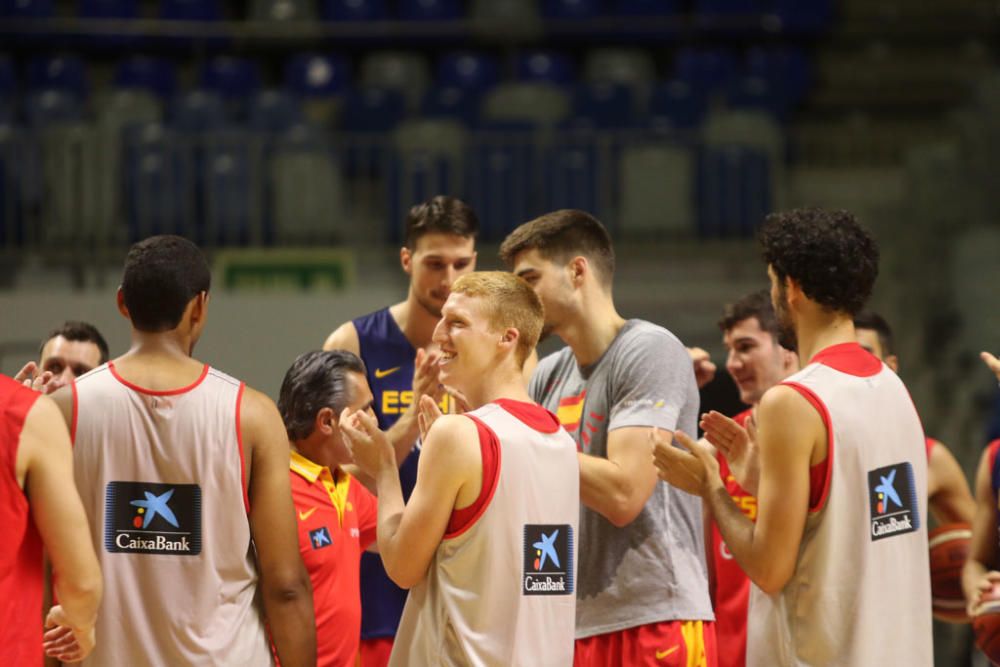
(435, 262)
(551, 283)
(755, 360)
(69, 359)
(470, 346)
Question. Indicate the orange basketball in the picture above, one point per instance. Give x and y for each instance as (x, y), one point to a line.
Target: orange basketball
(949, 547)
(987, 627)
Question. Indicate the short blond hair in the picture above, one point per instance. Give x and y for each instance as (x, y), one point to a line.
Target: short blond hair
(510, 303)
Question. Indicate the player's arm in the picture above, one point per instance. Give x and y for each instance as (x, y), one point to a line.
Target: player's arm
(978, 574)
(618, 487)
(789, 429)
(950, 499)
(344, 337)
(409, 534)
(45, 460)
(284, 582)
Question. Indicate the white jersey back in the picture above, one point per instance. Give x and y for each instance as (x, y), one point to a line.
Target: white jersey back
(161, 477)
(502, 592)
(860, 593)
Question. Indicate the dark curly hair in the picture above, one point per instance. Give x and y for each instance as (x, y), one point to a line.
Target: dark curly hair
(828, 253)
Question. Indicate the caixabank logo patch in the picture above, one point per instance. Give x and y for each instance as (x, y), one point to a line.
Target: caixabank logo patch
(548, 560)
(893, 496)
(148, 518)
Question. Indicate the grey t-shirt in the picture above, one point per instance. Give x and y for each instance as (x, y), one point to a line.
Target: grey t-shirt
(653, 569)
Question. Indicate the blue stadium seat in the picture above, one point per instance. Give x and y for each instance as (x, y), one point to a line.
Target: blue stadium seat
(43, 108)
(198, 111)
(190, 10)
(429, 10)
(273, 111)
(58, 72)
(571, 9)
(8, 80)
(726, 8)
(107, 9)
(706, 69)
(546, 67)
(645, 7)
(156, 75)
(751, 92)
(501, 180)
(232, 211)
(734, 191)
(451, 102)
(354, 10)
(34, 9)
(372, 110)
(606, 105)
(795, 16)
(235, 79)
(469, 70)
(676, 105)
(572, 178)
(159, 182)
(317, 75)
(787, 71)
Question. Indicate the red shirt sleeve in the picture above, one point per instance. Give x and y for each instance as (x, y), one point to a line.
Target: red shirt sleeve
(366, 506)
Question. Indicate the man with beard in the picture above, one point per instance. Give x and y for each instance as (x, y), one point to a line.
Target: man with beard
(643, 592)
(395, 345)
(487, 541)
(839, 549)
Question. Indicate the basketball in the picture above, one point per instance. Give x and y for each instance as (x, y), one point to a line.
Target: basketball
(987, 627)
(949, 548)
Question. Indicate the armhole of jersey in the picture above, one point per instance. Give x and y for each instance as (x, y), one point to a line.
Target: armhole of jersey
(827, 474)
(994, 447)
(489, 446)
(239, 443)
(76, 412)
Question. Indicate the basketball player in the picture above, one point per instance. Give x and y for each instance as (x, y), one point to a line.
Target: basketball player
(39, 506)
(643, 593)
(839, 549)
(948, 496)
(395, 345)
(183, 472)
(756, 360)
(981, 574)
(337, 515)
(487, 540)
(67, 352)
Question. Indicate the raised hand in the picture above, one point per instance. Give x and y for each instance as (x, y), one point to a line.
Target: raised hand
(428, 413)
(425, 375)
(692, 470)
(737, 444)
(988, 583)
(369, 447)
(704, 369)
(44, 382)
(63, 642)
(991, 362)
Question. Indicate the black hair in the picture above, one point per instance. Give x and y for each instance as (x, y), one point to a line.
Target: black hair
(560, 235)
(77, 331)
(827, 252)
(162, 274)
(868, 319)
(756, 305)
(316, 380)
(442, 215)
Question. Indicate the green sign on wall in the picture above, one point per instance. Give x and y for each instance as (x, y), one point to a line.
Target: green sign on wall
(291, 269)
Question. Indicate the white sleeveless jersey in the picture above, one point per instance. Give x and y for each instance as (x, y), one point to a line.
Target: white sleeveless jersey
(502, 592)
(860, 593)
(161, 477)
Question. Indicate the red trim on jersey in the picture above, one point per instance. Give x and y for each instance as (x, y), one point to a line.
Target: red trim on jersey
(72, 421)
(743, 417)
(849, 358)
(239, 442)
(820, 474)
(930, 443)
(151, 392)
(489, 446)
(531, 414)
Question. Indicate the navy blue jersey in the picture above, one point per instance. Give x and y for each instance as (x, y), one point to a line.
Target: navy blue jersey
(389, 358)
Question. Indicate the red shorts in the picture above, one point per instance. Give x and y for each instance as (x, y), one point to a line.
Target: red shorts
(374, 652)
(672, 643)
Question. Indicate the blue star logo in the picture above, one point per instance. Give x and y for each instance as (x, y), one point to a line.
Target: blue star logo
(547, 548)
(157, 505)
(887, 489)
(320, 538)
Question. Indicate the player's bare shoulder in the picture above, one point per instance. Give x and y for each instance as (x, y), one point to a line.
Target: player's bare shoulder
(344, 337)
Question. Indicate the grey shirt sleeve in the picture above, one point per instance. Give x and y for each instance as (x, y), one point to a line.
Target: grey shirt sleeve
(652, 381)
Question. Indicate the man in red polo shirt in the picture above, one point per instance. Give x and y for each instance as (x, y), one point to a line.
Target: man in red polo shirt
(336, 515)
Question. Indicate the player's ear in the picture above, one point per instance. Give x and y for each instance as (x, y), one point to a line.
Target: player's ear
(892, 361)
(510, 337)
(122, 308)
(326, 421)
(406, 259)
(578, 267)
